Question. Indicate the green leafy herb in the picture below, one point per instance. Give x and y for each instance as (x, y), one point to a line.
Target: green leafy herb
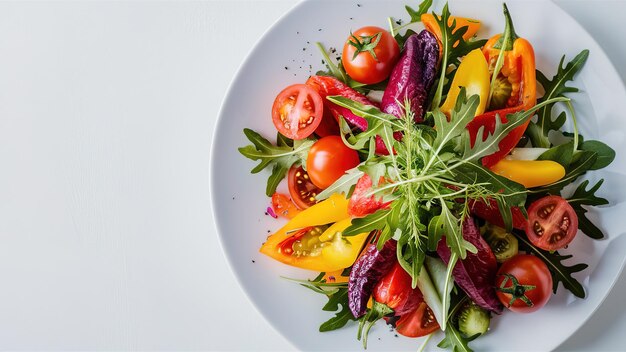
(581, 197)
(581, 163)
(281, 157)
(337, 294)
(560, 272)
(538, 132)
(415, 17)
(561, 154)
(606, 154)
(333, 70)
(454, 46)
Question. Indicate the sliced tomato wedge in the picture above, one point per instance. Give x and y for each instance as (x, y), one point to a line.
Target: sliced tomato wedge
(419, 322)
(552, 223)
(360, 205)
(297, 111)
(301, 189)
(283, 206)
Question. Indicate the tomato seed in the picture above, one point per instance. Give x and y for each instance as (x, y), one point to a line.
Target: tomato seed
(546, 211)
(565, 222)
(538, 229)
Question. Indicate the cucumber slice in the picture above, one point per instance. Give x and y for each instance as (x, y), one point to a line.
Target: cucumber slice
(473, 320)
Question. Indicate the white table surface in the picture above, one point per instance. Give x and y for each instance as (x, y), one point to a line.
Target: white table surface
(107, 111)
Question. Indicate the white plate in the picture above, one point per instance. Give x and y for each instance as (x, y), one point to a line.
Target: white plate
(239, 202)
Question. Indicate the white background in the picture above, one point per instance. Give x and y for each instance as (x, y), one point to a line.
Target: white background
(107, 111)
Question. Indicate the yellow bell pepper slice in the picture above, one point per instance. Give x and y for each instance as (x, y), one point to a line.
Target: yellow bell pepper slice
(473, 74)
(299, 243)
(530, 173)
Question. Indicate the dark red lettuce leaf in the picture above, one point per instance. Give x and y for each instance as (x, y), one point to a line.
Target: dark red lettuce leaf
(413, 76)
(476, 274)
(371, 266)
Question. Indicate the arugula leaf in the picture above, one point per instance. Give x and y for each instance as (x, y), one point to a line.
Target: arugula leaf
(333, 70)
(538, 132)
(455, 341)
(337, 302)
(560, 272)
(606, 154)
(581, 197)
(416, 15)
(367, 223)
(453, 45)
(280, 157)
(461, 115)
(343, 185)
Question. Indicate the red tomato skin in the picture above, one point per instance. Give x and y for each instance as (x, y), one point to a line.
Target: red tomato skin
(528, 270)
(364, 68)
(420, 322)
(553, 224)
(288, 106)
(328, 159)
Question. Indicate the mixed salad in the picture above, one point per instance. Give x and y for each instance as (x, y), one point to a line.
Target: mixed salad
(431, 181)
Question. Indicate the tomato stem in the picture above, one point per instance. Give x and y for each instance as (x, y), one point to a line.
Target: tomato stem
(365, 43)
(516, 290)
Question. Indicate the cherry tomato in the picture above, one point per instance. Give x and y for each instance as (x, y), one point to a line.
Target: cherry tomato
(552, 223)
(359, 205)
(301, 189)
(369, 55)
(524, 283)
(329, 159)
(297, 111)
(419, 322)
(283, 206)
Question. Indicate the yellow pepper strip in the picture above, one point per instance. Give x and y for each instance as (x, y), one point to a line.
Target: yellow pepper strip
(530, 173)
(328, 251)
(433, 27)
(473, 74)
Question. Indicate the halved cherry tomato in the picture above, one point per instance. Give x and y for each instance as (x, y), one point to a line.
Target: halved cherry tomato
(301, 242)
(552, 223)
(283, 206)
(359, 205)
(369, 54)
(524, 283)
(297, 111)
(301, 189)
(419, 322)
(328, 159)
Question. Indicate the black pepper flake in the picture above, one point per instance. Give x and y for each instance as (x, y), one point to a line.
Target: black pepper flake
(308, 42)
(300, 66)
(286, 68)
(351, 18)
(294, 74)
(379, 339)
(303, 49)
(399, 22)
(269, 231)
(323, 63)
(319, 30)
(332, 50)
(358, 5)
(253, 261)
(266, 213)
(297, 32)
(233, 198)
(396, 335)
